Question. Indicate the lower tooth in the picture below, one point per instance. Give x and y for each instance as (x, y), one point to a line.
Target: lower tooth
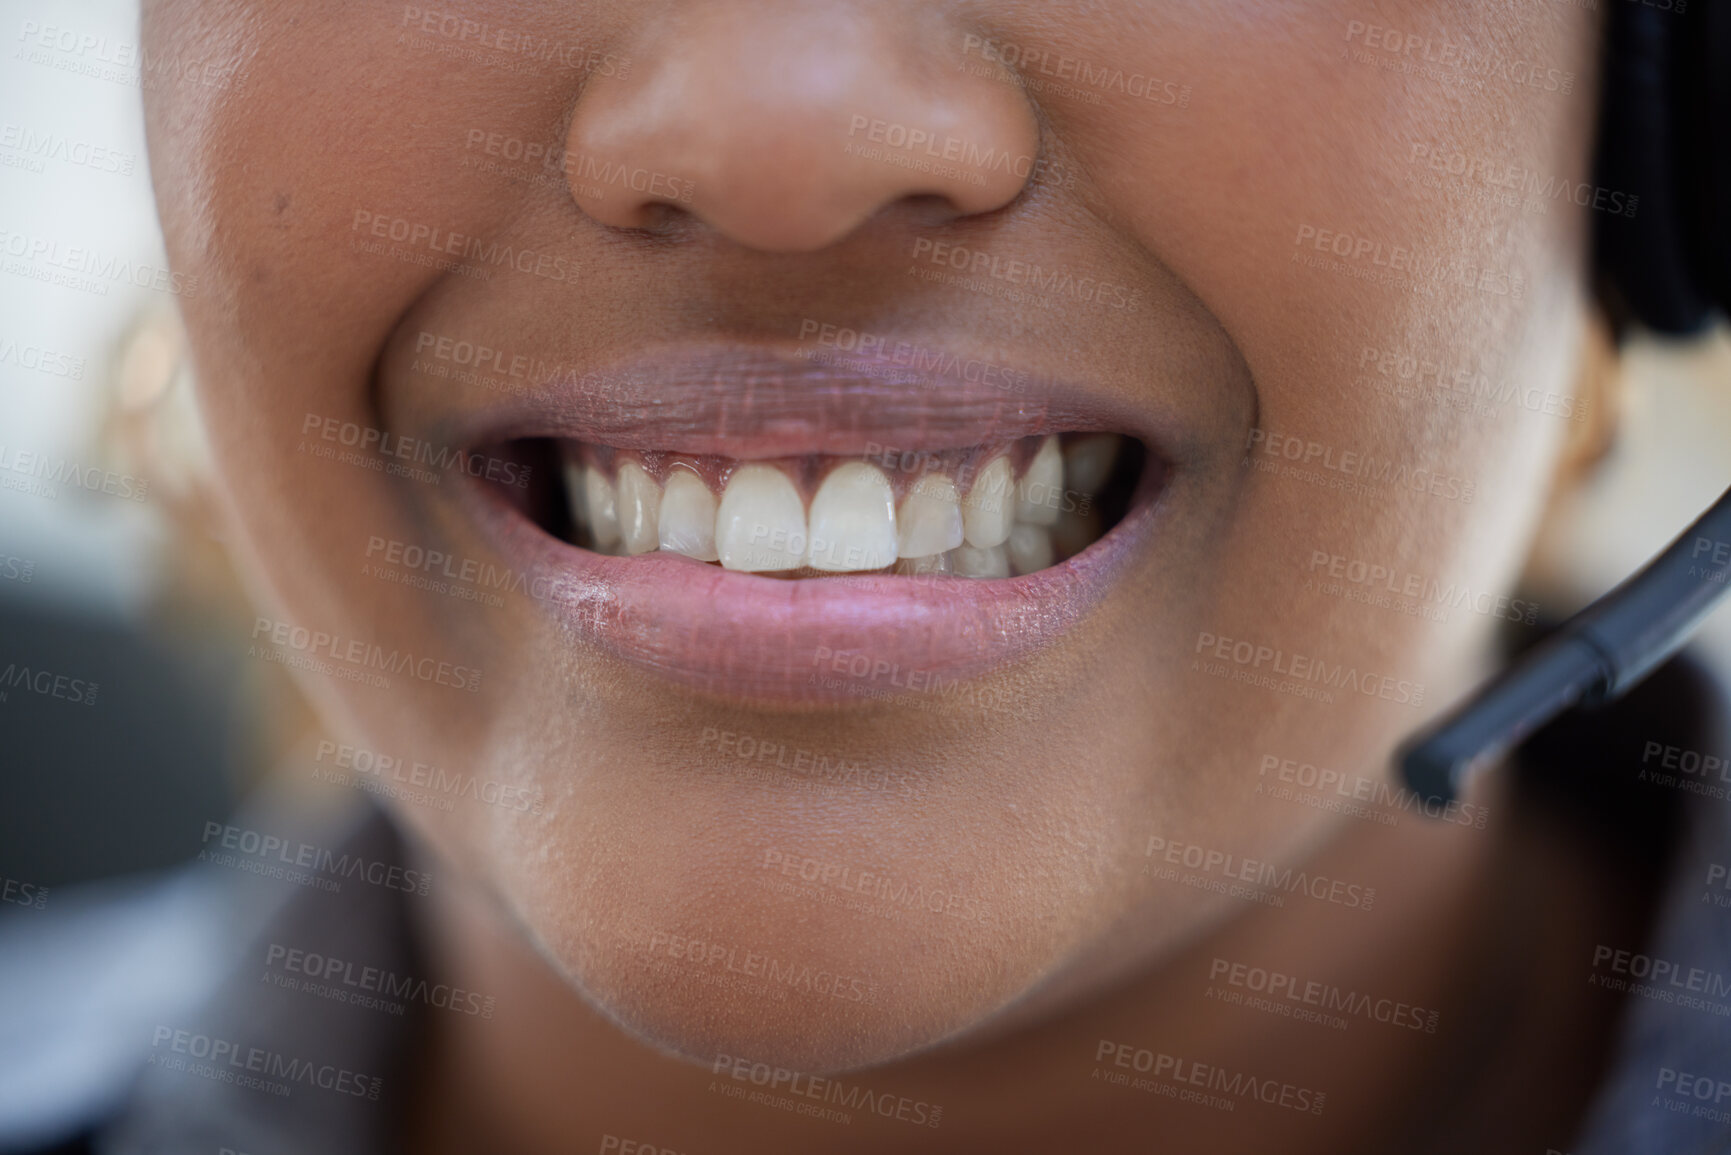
(993, 562)
(1075, 532)
(1029, 548)
(934, 563)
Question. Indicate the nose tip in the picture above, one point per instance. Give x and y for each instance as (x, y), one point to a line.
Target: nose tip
(784, 128)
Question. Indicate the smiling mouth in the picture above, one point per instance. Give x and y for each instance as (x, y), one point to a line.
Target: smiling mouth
(986, 511)
(665, 518)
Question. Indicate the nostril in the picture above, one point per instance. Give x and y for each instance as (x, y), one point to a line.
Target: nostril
(661, 220)
(929, 210)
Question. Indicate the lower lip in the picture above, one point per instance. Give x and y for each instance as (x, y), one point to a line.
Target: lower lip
(818, 641)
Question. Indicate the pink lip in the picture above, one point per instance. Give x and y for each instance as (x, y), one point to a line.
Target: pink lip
(781, 401)
(825, 640)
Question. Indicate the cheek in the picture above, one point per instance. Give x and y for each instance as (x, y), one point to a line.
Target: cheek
(1290, 193)
(270, 218)
(1302, 226)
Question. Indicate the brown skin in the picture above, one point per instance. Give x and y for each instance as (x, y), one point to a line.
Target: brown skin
(1041, 812)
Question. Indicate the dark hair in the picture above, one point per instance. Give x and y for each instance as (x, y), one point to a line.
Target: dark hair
(1665, 139)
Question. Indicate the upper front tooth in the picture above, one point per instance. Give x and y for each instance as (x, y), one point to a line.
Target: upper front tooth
(1088, 461)
(1039, 493)
(761, 523)
(930, 519)
(639, 505)
(987, 508)
(599, 505)
(687, 523)
(853, 520)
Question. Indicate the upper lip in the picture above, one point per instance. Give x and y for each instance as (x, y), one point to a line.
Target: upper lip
(777, 400)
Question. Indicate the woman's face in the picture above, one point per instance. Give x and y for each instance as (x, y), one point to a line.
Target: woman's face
(828, 818)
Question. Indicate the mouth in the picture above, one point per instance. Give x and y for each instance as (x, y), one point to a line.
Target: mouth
(767, 526)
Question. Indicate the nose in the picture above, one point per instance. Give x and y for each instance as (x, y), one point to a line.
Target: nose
(783, 124)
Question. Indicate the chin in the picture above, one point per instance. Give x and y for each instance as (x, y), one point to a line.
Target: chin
(797, 955)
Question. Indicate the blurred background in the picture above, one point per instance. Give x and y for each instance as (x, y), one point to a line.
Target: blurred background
(101, 587)
(129, 590)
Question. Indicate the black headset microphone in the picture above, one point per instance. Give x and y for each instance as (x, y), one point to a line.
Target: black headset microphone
(1665, 136)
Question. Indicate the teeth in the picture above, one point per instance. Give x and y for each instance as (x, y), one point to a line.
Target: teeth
(625, 502)
(930, 519)
(980, 563)
(761, 523)
(853, 520)
(1040, 492)
(639, 505)
(1029, 548)
(687, 523)
(936, 563)
(987, 508)
(1088, 461)
(599, 508)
